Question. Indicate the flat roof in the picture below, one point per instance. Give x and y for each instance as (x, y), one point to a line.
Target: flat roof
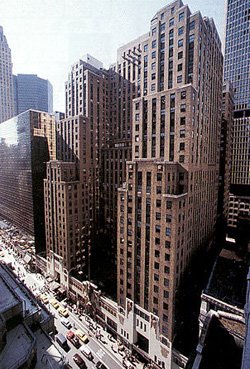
(9, 300)
(228, 279)
(19, 344)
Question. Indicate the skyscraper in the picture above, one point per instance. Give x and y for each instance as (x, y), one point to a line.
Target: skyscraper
(6, 80)
(167, 208)
(27, 141)
(32, 92)
(236, 70)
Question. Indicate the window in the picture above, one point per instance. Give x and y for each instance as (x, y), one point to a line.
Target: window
(153, 66)
(183, 95)
(153, 76)
(137, 106)
(180, 42)
(162, 27)
(183, 121)
(180, 31)
(168, 218)
(157, 228)
(191, 25)
(171, 22)
(180, 55)
(153, 44)
(169, 204)
(179, 67)
(159, 176)
(145, 48)
(166, 281)
(153, 87)
(153, 31)
(181, 158)
(179, 79)
(182, 133)
(182, 146)
(181, 16)
(137, 117)
(158, 216)
(158, 203)
(153, 54)
(183, 108)
(168, 231)
(167, 244)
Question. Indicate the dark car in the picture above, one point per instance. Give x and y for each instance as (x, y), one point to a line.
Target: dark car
(79, 361)
(100, 365)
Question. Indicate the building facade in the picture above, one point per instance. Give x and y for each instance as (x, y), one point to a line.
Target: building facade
(32, 92)
(236, 70)
(6, 80)
(80, 139)
(167, 208)
(26, 143)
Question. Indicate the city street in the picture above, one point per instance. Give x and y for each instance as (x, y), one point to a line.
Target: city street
(103, 347)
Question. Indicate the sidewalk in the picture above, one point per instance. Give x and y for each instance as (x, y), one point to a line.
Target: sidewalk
(122, 353)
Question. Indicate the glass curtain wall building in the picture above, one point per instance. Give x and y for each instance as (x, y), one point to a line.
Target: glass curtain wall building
(236, 69)
(24, 151)
(32, 92)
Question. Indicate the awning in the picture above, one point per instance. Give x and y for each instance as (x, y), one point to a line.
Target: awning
(54, 286)
(27, 258)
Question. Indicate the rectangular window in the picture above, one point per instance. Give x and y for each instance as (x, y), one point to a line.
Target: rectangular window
(181, 158)
(182, 133)
(162, 28)
(180, 42)
(167, 244)
(179, 79)
(153, 54)
(181, 16)
(168, 231)
(191, 25)
(153, 87)
(169, 204)
(153, 66)
(153, 31)
(180, 31)
(183, 121)
(153, 44)
(179, 67)
(180, 55)
(183, 108)
(171, 22)
(145, 48)
(182, 146)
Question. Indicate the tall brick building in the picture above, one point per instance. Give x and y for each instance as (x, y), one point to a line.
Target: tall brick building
(167, 208)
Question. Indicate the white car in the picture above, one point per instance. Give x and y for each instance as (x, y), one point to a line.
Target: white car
(66, 323)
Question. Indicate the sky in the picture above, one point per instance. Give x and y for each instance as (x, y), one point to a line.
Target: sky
(47, 36)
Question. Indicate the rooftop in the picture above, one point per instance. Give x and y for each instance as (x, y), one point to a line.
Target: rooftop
(19, 344)
(228, 278)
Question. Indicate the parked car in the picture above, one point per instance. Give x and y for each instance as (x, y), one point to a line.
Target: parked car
(66, 323)
(86, 352)
(79, 361)
(100, 365)
(73, 339)
(44, 298)
(83, 337)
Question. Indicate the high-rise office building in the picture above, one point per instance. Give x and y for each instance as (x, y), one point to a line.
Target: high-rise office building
(32, 92)
(236, 70)
(80, 139)
(27, 141)
(6, 80)
(167, 208)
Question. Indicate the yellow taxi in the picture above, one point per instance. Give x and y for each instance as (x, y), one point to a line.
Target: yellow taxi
(54, 303)
(83, 337)
(63, 312)
(44, 298)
